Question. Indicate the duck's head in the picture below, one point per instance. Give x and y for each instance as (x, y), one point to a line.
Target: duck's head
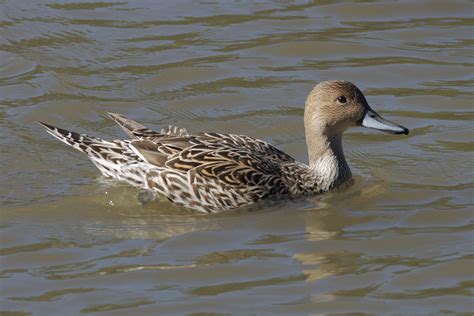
(334, 106)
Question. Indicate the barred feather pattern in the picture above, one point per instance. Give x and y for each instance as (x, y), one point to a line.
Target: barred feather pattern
(113, 158)
(208, 172)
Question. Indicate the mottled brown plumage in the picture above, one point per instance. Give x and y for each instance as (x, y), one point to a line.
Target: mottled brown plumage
(212, 172)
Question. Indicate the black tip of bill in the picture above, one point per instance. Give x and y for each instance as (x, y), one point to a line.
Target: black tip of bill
(405, 131)
(375, 121)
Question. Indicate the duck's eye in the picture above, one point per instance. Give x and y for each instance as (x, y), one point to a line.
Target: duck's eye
(342, 99)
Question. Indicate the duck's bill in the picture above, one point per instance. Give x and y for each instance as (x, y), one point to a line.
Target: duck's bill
(375, 121)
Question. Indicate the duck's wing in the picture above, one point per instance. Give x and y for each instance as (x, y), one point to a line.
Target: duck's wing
(213, 172)
(206, 150)
(137, 131)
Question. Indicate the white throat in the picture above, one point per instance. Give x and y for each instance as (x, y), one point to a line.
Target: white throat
(326, 159)
(331, 169)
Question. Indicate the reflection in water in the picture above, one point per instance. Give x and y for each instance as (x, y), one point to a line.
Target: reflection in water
(398, 241)
(327, 223)
(141, 225)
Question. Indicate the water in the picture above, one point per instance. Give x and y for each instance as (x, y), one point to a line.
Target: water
(398, 241)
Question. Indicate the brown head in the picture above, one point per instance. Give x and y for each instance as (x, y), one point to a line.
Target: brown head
(334, 106)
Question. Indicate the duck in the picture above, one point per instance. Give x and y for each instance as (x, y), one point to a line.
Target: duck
(214, 172)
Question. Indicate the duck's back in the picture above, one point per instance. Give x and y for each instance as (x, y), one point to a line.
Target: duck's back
(211, 171)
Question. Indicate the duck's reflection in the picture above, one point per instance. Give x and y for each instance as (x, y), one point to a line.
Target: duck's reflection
(157, 220)
(325, 220)
(327, 226)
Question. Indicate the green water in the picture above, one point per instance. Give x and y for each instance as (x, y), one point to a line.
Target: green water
(399, 241)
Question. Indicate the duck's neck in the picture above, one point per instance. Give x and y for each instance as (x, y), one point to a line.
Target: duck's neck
(326, 157)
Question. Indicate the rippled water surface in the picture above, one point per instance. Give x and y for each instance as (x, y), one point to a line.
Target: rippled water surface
(398, 241)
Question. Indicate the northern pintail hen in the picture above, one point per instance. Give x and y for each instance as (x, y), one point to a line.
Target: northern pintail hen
(213, 172)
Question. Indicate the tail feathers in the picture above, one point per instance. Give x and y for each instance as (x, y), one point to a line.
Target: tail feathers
(78, 141)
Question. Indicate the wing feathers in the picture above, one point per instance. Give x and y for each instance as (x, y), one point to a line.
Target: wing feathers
(131, 128)
(149, 152)
(136, 130)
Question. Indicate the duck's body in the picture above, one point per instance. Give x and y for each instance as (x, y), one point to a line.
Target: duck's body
(208, 171)
(213, 172)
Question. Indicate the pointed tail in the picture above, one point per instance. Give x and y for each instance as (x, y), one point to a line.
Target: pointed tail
(78, 141)
(112, 158)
